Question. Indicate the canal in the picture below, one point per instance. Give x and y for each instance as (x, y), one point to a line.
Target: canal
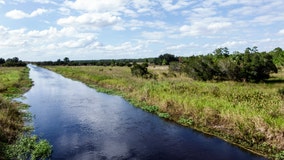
(84, 124)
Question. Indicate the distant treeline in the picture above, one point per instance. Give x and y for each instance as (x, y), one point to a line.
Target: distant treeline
(164, 59)
(249, 66)
(12, 62)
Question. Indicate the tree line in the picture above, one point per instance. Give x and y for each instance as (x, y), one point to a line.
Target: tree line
(250, 65)
(12, 62)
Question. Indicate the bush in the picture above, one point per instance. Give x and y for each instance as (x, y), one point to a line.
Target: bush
(151, 109)
(141, 71)
(164, 115)
(29, 147)
(248, 67)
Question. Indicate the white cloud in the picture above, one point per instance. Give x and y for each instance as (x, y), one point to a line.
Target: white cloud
(35, 1)
(123, 28)
(18, 14)
(37, 12)
(143, 6)
(49, 33)
(203, 27)
(44, 1)
(176, 47)
(281, 32)
(97, 6)
(12, 38)
(96, 20)
(77, 43)
(64, 11)
(135, 24)
(231, 44)
(153, 35)
(216, 26)
(187, 30)
(169, 5)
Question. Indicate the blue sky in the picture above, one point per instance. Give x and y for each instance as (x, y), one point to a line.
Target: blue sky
(39, 30)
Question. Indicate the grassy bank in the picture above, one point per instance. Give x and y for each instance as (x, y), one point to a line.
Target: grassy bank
(15, 140)
(246, 114)
(14, 81)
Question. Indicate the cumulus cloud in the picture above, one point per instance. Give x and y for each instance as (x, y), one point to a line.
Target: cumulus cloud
(230, 44)
(140, 27)
(97, 6)
(45, 1)
(169, 5)
(18, 14)
(77, 43)
(203, 27)
(216, 26)
(92, 19)
(12, 38)
(281, 32)
(176, 47)
(143, 6)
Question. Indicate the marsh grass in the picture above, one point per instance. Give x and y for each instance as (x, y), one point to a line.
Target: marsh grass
(13, 82)
(247, 114)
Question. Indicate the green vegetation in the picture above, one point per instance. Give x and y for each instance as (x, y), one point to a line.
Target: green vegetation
(12, 62)
(29, 147)
(141, 70)
(13, 82)
(250, 66)
(247, 114)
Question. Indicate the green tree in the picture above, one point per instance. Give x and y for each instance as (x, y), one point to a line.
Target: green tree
(66, 60)
(165, 59)
(250, 66)
(221, 52)
(2, 61)
(278, 56)
(12, 62)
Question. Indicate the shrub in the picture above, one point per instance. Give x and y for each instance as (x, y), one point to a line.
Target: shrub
(185, 121)
(151, 109)
(29, 147)
(164, 115)
(141, 71)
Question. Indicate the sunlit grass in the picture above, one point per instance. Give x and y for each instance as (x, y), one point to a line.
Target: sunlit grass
(13, 81)
(248, 114)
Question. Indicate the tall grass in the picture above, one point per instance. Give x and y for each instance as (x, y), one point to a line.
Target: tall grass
(247, 114)
(13, 82)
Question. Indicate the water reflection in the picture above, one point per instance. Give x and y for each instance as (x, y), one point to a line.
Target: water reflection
(84, 124)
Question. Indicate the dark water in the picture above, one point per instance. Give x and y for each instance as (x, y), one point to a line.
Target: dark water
(83, 124)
